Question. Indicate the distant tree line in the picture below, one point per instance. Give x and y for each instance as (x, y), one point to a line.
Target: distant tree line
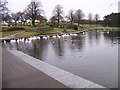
(73, 16)
(3, 9)
(34, 12)
(112, 20)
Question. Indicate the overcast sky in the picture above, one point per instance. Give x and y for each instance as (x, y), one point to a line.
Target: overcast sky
(101, 7)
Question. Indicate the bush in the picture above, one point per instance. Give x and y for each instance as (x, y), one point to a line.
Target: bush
(44, 28)
(15, 28)
(53, 25)
(75, 27)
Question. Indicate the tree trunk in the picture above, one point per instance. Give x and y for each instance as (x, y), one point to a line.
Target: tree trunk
(15, 23)
(24, 23)
(21, 22)
(58, 22)
(71, 23)
(90, 22)
(65, 28)
(96, 23)
(33, 23)
(78, 23)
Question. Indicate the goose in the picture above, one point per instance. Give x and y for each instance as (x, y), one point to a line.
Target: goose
(44, 37)
(63, 35)
(12, 41)
(67, 35)
(117, 41)
(71, 34)
(38, 37)
(74, 34)
(58, 36)
(18, 40)
(107, 32)
(5, 42)
(53, 43)
(30, 38)
(83, 33)
(54, 36)
(48, 36)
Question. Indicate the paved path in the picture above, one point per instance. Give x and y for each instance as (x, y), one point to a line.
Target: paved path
(19, 74)
(12, 36)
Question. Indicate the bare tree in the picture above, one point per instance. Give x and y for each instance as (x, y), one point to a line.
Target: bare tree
(33, 11)
(25, 17)
(79, 15)
(3, 7)
(7, 18)
(22, 17)
(42, 18)
(90, 17)
(15, 17)
(53, 19)
(96, 17)
(57, 12)
(3, 10)
(70, 16)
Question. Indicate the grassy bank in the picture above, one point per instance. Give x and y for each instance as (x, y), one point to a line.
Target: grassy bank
(35, 31)
(99, 27)
(27, 34)
(108, 28)
(46, 32)
(3, 34)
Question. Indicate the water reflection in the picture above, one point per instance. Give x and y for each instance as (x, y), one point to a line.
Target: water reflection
(77, 42)
(112, 36)
(58, 46)
(38, 48)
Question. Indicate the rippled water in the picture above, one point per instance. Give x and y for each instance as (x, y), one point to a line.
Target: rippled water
(91, 55)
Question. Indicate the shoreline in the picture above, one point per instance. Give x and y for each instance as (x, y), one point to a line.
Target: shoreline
(40, 35)
(9, 38)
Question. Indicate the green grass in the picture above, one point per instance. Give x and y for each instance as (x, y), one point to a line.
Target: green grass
(3, 34)
(93, 27)
(87, 26)
(107, 28)
(4, 28)
(27, 34)
(54, 31)
(63, 23)
(31, 32)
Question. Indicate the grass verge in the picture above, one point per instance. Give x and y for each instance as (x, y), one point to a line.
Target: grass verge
(27, 34)
(3, 34)
(47, 32)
